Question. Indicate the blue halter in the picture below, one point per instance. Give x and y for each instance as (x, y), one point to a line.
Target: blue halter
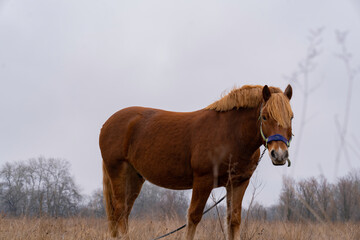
(276, 137)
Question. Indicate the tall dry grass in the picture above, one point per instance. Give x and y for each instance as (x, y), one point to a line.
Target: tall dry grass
(146, 229)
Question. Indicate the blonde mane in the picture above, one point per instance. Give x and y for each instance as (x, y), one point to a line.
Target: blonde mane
(249, 96)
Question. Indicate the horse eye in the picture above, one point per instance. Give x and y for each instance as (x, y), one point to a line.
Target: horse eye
(264, 118)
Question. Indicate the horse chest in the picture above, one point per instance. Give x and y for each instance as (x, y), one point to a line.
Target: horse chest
(237, 172)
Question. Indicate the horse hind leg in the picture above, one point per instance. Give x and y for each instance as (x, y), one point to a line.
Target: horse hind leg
(134, 183)
(120, 195)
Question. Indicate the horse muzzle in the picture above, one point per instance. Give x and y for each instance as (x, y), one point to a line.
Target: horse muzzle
(279, 157)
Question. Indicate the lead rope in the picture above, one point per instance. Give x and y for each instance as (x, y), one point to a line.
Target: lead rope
(262, 154)
(207, 210)
(183, 226)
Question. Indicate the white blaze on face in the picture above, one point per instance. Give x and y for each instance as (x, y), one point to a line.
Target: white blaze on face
(278, 153)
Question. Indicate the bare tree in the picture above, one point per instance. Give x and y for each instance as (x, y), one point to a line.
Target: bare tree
(306, 193)
(347, 197)
(325, 200)
(288, 201)
(95, 205)
(13, 186)
(38, 186)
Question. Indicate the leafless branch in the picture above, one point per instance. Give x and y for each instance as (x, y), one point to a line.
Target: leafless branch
(301, 78)
(345, 56)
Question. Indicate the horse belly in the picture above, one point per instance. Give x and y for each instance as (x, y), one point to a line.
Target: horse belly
(169, 171)
(170, 181)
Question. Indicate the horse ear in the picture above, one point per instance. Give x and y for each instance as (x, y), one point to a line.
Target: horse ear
(266, 93)
(288, 92)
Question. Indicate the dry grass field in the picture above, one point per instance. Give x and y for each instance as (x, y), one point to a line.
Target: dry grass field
(88, 228)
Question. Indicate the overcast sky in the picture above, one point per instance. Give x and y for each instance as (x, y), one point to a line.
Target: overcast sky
(66, 66)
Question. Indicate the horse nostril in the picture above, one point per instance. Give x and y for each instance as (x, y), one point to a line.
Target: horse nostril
(273, 154)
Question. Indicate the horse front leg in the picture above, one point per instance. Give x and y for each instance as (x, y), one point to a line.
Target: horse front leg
(234, 199)
(201, 191)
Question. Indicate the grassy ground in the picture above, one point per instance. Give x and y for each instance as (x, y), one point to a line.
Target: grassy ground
(85, 228)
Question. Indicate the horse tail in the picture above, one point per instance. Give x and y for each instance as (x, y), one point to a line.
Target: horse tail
(108, 194)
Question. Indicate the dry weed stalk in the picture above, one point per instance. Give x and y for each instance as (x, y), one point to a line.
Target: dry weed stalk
(301, 79)
(345, 56)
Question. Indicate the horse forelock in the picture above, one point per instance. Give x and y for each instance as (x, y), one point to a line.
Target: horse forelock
(248, 96)
(278, 107)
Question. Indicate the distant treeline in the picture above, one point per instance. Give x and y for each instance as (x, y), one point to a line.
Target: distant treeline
(315, 199)
(45, 187)
(38, 187)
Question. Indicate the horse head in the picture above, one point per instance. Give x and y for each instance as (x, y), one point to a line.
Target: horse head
(275, 124)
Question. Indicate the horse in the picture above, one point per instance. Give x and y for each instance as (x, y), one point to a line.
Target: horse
(218, 146)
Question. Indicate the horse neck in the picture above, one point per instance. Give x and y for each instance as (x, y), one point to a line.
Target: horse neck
(248, 124)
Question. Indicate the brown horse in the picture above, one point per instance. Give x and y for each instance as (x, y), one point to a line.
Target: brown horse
(213, 147)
